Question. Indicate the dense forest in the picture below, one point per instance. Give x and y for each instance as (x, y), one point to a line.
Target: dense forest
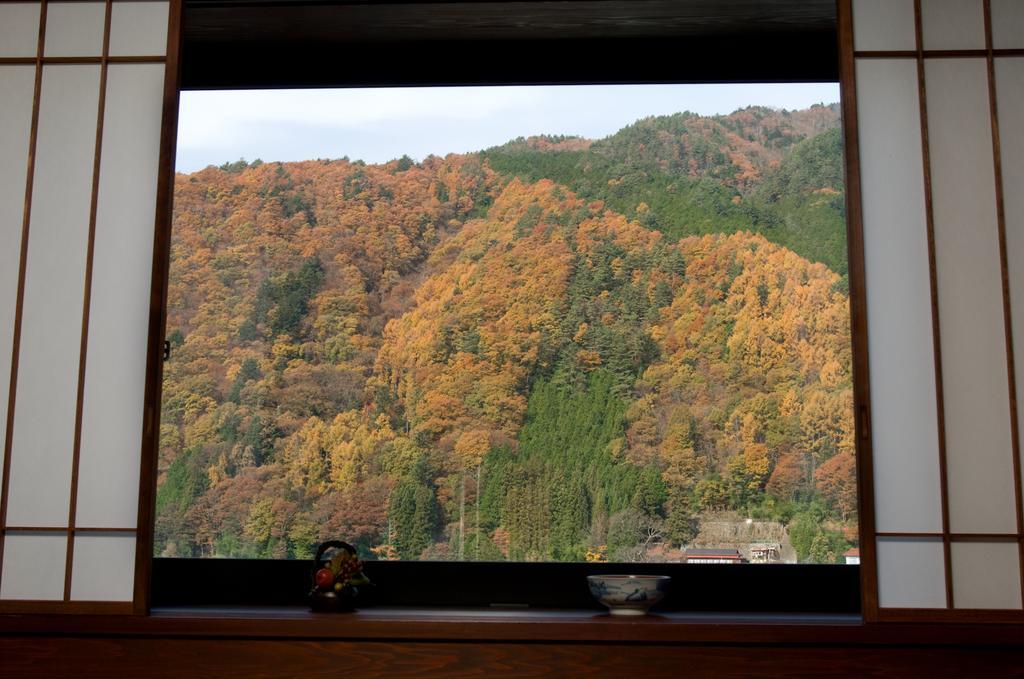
(555, 349)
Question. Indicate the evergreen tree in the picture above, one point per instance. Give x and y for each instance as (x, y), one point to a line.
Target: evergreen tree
(414, 516)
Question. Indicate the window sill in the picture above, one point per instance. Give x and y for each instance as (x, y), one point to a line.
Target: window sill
(525, 625)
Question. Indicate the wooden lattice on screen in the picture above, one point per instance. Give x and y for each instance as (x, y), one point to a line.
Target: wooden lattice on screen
(934, 114)
(83, 87)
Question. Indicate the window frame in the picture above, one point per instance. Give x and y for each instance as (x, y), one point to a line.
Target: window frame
(795, 57)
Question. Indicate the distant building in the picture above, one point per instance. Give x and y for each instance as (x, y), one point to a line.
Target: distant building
(713, 556)
(852, 556)
(765, 552)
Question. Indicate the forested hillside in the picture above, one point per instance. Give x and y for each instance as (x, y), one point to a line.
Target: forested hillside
(772, 172)
(557, 349)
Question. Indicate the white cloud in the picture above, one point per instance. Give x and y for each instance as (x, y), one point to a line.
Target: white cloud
(212, 116)
(383, 123)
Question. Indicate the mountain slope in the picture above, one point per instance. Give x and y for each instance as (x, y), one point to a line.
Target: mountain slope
(690, 175)
(442, 360)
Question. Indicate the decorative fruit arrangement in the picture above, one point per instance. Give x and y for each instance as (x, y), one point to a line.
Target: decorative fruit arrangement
(336, 582)
(343, 570)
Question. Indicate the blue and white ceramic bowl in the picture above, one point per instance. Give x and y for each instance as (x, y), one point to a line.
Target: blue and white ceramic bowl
(628, 594)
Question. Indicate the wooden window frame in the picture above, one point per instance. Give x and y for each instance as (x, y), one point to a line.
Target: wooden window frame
(792, 588)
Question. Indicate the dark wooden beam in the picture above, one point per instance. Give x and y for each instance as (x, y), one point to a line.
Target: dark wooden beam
(360, 21)
(254, 65)
(175, 657)
(256, 44)
(479, 625)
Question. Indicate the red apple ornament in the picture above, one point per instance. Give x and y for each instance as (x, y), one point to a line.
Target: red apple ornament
(324, 578)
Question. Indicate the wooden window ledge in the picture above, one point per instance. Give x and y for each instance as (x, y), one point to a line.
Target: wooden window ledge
(520, 625)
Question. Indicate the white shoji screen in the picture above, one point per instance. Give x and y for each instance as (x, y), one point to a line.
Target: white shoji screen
(16, 93)
(81, 105)
(1009, 74)
(939, 106)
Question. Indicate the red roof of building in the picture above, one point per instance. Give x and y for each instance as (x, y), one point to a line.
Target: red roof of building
(852, 551)
(713, 554)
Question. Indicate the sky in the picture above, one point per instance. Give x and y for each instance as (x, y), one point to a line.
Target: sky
(377, 125)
